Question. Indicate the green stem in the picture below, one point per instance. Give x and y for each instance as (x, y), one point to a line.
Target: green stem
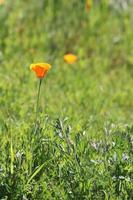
(37, 104)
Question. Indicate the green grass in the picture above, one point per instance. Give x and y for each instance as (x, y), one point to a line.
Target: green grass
(84, 142)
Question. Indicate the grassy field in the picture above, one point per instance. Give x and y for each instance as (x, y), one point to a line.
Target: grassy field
(83, 145)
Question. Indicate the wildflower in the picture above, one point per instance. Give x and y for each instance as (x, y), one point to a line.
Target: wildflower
(40, 69)
(70, 58)
(2, 2)
(88, 5)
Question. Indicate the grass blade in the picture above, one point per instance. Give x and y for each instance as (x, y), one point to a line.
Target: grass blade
(35, 173)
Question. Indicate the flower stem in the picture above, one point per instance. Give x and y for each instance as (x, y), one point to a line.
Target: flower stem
(37, 104)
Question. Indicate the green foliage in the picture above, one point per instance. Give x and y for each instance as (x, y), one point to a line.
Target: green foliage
(83, 146)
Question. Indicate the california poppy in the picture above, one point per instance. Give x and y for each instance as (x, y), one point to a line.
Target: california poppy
(88, 5)
(70, 58)
(40, 69)
(2, 2)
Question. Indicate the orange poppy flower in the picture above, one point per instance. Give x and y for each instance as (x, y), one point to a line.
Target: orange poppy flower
(40, 69)
(70, 58)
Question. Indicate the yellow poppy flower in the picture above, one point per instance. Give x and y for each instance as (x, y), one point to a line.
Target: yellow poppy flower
(70, 58)
(88, 5)
(2, 2)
